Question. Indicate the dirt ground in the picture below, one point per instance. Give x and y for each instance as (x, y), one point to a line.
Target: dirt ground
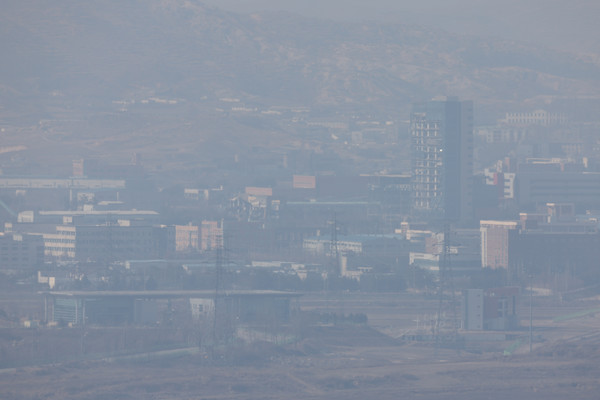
(345, 362)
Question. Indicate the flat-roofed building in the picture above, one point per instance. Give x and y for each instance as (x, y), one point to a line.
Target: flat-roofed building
(495, 239)
(140, 307)
(491, 309)
(537, 117)
(60, 183)
(107, 242)
(187, 238)
(536, 187)
(89, 217)
(20, 252)
(552, 244)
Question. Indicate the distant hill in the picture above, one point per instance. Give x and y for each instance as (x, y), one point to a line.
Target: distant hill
(112, 49)
(85, 63)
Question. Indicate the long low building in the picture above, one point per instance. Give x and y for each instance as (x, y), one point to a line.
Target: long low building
(140, 307)
(107, 242)
(87, 217)
(60, 183)
(538, 188)
(554, 245)
(356, 244)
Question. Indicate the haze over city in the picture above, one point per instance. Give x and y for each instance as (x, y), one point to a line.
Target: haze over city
(261, 199)
(554, 24)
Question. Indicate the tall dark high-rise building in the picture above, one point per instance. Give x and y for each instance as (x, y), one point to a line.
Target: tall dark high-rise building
(442, 159)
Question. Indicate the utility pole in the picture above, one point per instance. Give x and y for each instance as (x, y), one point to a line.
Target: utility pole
(218, 272)
(334, 246)
(530, 312)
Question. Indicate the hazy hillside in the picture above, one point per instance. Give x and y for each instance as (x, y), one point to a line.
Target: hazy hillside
(86, 68)
(107, 49)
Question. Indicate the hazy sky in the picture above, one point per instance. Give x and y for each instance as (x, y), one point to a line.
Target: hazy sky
(560, 24)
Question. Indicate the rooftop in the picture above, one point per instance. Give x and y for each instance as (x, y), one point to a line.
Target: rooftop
(169, 294)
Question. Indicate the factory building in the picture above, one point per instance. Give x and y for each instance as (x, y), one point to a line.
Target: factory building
(143, 307)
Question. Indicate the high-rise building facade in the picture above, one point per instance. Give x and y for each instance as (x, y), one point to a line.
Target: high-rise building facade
(442, 159)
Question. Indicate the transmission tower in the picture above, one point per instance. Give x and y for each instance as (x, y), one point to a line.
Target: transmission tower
(335, 254)
(218, 276)
(446, 283)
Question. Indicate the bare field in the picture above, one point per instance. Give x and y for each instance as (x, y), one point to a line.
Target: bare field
(343, 362)
(342, 372)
